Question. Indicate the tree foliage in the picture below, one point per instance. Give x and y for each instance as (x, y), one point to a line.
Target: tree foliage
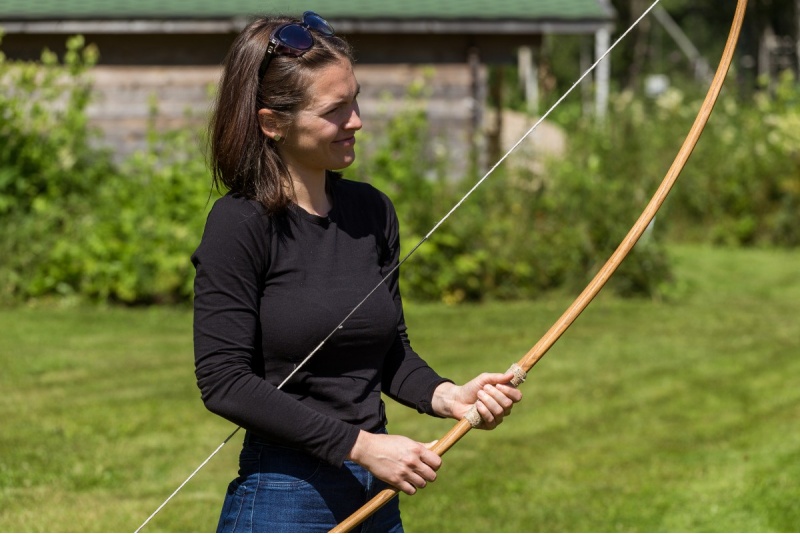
(706, 22)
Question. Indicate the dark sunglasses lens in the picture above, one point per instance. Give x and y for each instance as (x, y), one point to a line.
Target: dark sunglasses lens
(317, 23)
(296, 37)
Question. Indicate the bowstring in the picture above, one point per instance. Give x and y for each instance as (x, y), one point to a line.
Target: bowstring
(421, 242)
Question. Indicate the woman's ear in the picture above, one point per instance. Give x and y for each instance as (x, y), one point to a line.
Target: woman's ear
(269, 124)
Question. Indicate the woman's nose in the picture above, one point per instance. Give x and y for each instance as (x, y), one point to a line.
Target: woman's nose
(354, 120)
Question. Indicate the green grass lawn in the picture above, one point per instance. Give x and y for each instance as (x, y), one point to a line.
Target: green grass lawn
(681, 415)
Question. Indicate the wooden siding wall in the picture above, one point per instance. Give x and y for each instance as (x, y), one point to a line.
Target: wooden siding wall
(167, 81)
(129, 99)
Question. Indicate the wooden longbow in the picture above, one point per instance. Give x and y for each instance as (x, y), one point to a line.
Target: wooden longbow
(472, 419)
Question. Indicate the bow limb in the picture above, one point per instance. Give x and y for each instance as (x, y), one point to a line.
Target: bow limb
(597, 283)
(587, 295)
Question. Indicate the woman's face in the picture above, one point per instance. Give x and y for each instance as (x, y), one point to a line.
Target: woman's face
(322, 136)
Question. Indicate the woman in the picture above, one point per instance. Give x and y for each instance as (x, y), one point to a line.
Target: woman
(286, 255)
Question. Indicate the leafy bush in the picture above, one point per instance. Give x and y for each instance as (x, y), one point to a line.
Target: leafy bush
(136, 242)
(741, 185)
(48, 171)
(745, 175)
(73, 223)
(519, 234)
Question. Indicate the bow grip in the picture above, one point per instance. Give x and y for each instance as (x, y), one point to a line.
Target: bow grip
(473, 417)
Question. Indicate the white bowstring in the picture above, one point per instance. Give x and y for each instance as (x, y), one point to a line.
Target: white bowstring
(435, 227)
(199, 467)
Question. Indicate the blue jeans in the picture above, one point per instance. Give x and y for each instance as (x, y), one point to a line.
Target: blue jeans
(285, 490)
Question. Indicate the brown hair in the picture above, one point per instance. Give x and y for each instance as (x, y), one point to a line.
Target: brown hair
(242, 158)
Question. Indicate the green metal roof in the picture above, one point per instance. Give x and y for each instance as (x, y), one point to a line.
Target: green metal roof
(331, 9)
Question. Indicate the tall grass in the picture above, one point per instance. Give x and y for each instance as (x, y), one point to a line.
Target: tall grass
(680, 415)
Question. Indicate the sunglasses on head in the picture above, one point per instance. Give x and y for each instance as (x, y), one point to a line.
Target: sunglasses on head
(294, 39)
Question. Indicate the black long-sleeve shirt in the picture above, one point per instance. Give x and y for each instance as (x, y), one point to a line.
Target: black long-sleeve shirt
(267, 292)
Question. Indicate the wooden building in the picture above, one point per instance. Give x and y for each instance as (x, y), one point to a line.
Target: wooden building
(165, 54)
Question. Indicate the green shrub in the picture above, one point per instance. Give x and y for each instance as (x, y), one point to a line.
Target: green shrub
(745, 176)
(48, 170)
(741, 185)
(74, 224)
(137, 241)
(519, 234)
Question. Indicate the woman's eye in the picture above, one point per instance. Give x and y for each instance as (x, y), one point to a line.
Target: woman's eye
(341, 107)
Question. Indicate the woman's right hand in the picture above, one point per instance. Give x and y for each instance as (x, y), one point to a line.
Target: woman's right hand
(397, 460)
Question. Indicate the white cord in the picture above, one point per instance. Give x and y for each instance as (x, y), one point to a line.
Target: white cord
(199, 467)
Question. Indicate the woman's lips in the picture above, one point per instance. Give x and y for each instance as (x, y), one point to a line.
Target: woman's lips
(347, 141)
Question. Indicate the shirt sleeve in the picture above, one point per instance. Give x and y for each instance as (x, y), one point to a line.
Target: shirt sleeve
(231, 264)
(407, 378)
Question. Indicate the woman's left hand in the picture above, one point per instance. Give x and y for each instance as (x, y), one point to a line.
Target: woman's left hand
(491, 393)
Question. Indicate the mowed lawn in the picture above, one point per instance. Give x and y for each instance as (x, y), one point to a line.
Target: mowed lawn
(678, 415)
